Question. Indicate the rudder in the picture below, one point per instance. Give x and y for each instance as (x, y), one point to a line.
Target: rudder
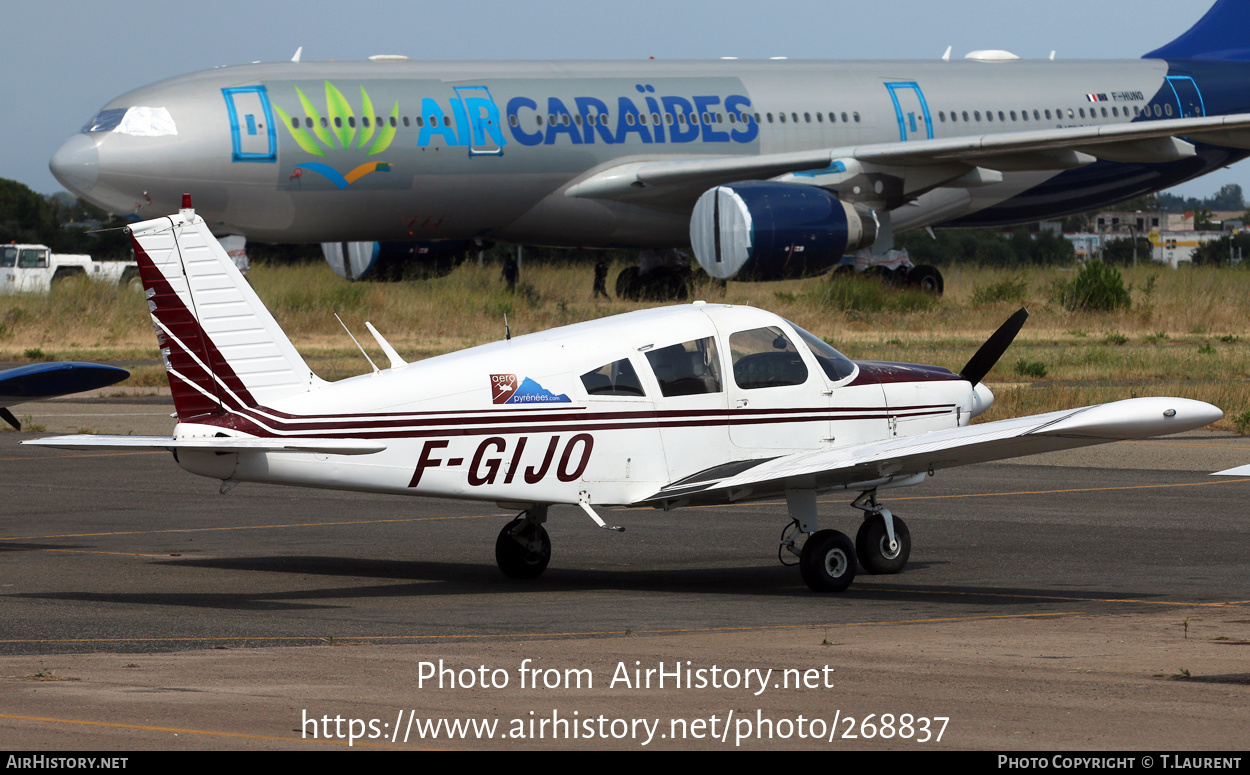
(221, 347)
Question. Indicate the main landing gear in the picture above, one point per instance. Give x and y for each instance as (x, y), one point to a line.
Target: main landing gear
(828, 558)
(523, 547)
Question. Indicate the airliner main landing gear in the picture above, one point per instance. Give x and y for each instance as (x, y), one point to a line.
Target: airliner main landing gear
(523, 547)
(883, 542)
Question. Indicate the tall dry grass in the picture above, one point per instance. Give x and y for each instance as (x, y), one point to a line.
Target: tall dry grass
(1186, 333)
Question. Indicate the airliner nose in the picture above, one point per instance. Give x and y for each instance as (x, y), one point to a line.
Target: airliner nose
(77, 164)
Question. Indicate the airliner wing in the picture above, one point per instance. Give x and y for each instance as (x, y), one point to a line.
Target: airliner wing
(214, 444)
(878, 463)
(1045, 149)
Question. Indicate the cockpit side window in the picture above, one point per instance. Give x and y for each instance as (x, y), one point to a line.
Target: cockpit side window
(837, 366)
(8, 256)
(687, 369)
(105, 120)
(139, 121)
(765, 357)
(614, 379)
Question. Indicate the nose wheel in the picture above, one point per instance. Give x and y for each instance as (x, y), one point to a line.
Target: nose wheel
(876, 552)
(883, 542)
(523, 547)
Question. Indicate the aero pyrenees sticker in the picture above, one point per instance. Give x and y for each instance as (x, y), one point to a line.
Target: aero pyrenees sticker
(506, 390)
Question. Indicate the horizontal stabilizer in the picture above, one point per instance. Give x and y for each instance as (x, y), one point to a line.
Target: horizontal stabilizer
(214, 444)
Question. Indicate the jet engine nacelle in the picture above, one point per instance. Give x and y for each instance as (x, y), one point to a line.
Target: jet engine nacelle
(389, 261)
(762, 230)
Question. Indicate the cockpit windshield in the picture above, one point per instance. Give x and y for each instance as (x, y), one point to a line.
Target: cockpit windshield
(836, 365)
(137, 121)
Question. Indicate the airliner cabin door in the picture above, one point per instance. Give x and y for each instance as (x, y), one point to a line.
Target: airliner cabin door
(911, 110)
(252, 130)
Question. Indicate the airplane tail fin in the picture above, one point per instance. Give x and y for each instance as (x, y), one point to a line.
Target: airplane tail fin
(1219, 35)
(222, 349)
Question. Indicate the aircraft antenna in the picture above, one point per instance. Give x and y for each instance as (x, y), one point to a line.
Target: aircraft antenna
(507, 332)
(362, 350)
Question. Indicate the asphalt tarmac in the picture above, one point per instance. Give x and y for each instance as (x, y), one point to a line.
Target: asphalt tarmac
(126, 578)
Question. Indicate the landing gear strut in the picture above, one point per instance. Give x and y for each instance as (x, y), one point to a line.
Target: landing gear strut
(883, 542)
(523, 547)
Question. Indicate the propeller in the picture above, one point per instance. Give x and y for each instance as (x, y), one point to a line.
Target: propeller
(994, 347)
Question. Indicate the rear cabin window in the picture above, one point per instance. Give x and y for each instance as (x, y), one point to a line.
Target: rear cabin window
(765, 357)
(836, 366)
(615, 379)
(687, 369)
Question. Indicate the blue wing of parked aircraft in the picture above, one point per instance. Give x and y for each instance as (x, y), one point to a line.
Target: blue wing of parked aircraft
(49, 380)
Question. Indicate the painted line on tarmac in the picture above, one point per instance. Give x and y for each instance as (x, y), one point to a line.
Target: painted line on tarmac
(45, 458)
(836, 499)
(204, 732)
(250, 527)
(348, 639)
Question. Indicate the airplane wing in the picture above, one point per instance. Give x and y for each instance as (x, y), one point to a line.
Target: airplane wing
(877, 463)
(39, 381)
(1238, 471)
(214, 444)
(674, 182)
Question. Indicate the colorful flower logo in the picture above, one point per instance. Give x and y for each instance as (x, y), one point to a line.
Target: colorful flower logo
(340, 130)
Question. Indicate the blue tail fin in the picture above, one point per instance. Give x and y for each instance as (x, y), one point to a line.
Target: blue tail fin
(1223, 35)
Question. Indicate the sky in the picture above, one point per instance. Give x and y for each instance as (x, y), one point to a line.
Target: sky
(62, 60)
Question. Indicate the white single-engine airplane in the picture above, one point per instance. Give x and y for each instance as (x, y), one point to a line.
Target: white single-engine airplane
(700, 403)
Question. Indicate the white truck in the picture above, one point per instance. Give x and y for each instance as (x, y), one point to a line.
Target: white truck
(35, 269)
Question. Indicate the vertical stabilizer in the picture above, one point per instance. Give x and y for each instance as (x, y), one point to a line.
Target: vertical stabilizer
(222, 349)
(1221, 35)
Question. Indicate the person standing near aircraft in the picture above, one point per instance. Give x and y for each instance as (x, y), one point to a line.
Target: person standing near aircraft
(601, 279)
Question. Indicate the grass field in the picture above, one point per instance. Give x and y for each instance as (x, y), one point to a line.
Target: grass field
(1186, 333)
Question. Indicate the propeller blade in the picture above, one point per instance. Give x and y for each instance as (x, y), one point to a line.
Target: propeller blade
(8, 417)
(994, 347)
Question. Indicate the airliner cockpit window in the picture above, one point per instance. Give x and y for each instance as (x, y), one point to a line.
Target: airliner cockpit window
(765, 357)
(137, 121)
(836, 365)
(615, 379)
(105, 121)
(687, 369)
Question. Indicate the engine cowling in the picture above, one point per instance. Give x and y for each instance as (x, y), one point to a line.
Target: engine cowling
(763, 230)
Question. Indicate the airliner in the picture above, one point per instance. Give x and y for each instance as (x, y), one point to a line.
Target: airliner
(766, 169)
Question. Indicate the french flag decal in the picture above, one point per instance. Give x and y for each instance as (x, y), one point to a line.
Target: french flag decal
(1096, 97)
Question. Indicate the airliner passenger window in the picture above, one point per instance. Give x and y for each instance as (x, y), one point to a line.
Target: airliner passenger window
(836, 366)
(765, 357)
(687, 369)
(615, 379)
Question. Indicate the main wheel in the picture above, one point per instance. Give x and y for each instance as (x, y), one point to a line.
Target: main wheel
(827, 562)
(522, 549)
(926, 278)
(872, 546)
